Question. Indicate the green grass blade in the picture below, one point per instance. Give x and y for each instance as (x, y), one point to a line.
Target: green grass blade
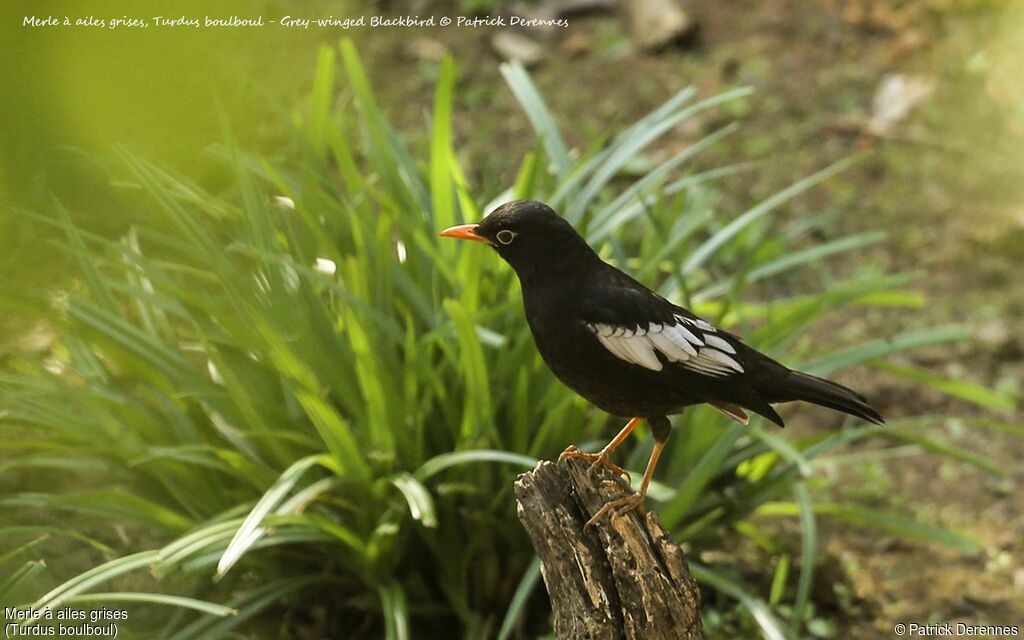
(202, 606)
(936, 445)
(790, 261)
(421, 505)
(771, 626)
(727, 233)
(779, 579)
(321, 101)
(538, 114)
(442, 192)
(519, 599)
(699, 476)
(873, 349)
(395, 611)
(97, 575)
(444, 461)
(896, 524)
(248, 605)
(808, 548)
(12, 584)
(249, 531)
(973, 393)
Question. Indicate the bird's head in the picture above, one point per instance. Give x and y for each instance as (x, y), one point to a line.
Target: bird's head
(530, 236)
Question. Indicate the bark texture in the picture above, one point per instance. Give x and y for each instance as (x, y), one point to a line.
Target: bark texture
(622, 579)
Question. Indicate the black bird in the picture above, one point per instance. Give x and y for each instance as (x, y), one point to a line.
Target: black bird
(627, 349)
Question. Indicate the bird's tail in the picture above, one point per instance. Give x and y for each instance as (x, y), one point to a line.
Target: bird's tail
(801, 386)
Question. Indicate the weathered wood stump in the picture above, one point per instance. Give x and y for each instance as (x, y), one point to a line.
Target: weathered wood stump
(624, 578)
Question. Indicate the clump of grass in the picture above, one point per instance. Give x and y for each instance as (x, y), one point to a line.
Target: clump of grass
(323, 407)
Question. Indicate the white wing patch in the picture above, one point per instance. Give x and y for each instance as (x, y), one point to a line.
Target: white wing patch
(692, 343)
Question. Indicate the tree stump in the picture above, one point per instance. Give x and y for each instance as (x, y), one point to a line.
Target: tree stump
(623, 578)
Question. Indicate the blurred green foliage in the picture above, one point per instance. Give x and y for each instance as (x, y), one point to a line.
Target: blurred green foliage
(72, 93)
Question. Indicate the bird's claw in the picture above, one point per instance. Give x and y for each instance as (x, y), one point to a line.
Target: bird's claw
(611, 484)
(596, 460)
(618, 507)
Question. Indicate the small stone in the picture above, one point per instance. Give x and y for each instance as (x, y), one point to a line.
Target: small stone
(654, 24)
(514, 46)
(576, 45)
(993, 333)
(897, 96)
(426, 49)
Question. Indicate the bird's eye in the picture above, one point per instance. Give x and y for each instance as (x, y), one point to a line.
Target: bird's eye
(505, 236)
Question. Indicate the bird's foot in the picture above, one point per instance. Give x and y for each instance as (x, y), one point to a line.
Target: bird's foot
(618, 507)
(596, 460)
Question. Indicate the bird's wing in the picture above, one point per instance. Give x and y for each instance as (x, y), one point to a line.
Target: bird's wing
(642, 328)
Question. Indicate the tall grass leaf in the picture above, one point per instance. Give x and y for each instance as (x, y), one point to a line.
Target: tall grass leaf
(570, 184)
(84, 465)
(116, 504)
(729, 231)
(778, 588)
(795, 259)
(57, 597)
(321, 100)
(444, 461)
(808, 548)
(519, 599)
(248, 605)
(478, 414)
(205, 536)
(907, 299)
(249, 531)
(771, 627)
(896, 524)
(374, 383)
(421, 505)
(20, 549)
(11, 584)
(441, 190)
(783, 448)
(395, 611)
(636, 140)
(880, 348)
(997, 425)
(17, 530)
(467, 202)
(936, 445)
(538, 114)
(387, 154)
(287, 534)
(199, 238)
(138, 343)
(202, 606)
(962, 389)
(699, 476)
(526, 180)
(616, 213)
(92, 275)
(332, 427)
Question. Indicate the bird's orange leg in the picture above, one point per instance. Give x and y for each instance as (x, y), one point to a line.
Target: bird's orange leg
(600, 459)
(635, 501)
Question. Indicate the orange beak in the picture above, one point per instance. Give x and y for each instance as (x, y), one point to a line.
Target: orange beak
(464, 232)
